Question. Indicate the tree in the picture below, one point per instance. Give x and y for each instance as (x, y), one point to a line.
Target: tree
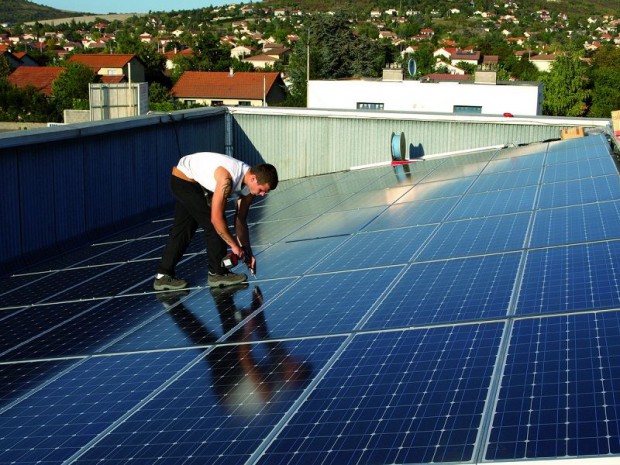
(70, 89)
(605, 78)
(336, 52)
(565, 92)
(27, 104)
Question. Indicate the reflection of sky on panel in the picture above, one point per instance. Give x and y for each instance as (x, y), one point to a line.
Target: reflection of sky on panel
(505, 180)
(337, 223)
(413, 214)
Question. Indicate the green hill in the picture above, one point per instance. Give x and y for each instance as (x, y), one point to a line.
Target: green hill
(22, 11)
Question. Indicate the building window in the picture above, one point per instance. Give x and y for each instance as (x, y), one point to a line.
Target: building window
(190, 103)
(217, 103)
(244, 103)
(466, 109)
(369, 106)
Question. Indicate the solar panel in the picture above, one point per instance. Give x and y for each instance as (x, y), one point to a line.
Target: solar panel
(461, 309)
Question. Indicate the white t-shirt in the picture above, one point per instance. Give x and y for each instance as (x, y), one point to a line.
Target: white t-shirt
(201, 168)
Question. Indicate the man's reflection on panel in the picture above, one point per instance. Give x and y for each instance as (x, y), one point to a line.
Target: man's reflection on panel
(246, 375)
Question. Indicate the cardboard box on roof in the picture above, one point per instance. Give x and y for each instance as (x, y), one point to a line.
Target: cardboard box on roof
(572, 133)
(615, 119)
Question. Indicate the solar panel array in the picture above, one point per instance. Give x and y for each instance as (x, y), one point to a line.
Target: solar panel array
(461, 309)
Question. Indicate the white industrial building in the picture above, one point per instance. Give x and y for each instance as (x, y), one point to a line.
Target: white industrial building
(482, 96)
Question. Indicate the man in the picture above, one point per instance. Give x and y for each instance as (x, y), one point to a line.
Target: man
(201, 184)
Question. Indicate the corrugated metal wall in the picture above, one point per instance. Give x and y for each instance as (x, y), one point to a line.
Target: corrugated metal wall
(309, 142)
(63, 185)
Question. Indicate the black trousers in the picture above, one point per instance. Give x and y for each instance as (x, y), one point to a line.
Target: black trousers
(192, 210)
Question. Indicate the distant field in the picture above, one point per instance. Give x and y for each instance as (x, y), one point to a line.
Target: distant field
(87, 19)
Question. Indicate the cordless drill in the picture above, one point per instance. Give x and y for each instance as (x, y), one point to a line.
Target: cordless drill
(231, 260)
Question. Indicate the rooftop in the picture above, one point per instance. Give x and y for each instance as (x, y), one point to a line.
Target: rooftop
(460, 309)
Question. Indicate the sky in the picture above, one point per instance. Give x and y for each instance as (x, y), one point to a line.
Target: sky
(130, 6)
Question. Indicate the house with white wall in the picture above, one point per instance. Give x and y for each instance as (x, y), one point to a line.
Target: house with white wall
(481, 96)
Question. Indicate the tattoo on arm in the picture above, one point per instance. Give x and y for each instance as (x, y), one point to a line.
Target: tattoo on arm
(227, 187)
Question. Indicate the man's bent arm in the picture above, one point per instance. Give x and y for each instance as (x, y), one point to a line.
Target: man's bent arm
(223, 189)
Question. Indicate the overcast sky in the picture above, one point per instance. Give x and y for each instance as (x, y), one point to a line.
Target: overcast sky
(130, 6)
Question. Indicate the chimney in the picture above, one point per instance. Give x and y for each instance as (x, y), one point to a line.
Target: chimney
(231, 72)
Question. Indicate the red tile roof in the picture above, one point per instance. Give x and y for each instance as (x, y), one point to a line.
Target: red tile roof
(96, 61)
(203, 84)
(40, 77)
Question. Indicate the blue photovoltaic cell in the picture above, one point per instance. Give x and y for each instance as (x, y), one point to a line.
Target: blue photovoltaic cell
(25, 325)
(270, 232)
(305, 207)
(382, 248)
(438, 189)
(221, 409)
(585, 168)
(70, 411)
(399, 397)
(566, 279)
(46, 288)
(325, 303)
(494, 203)
(577, 149)
(295, 258)
(558, 393)
(505, 180)
(21, 379)
(477, 236)
(515, 163)
(413, 214)
(567, 225)
(449, 291)
(372, 198)
(197, 317)
(460, 167)
(586, 190)
(337, 223)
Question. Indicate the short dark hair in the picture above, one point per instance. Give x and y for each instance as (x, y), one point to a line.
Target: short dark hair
(266, 173)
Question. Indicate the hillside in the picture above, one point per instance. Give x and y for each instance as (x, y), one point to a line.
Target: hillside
(22, 11)
(583, 8)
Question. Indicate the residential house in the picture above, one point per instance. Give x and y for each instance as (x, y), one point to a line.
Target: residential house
(229, 88)
(242, 51)
(277, 51)
(26, 59)
(543, 61)
(146, 38)
(13, 61)
(39, 77)
(111, 66)
(172, 55)
(261, 61)
(468, 56)
(490, 62)
(387, 35)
